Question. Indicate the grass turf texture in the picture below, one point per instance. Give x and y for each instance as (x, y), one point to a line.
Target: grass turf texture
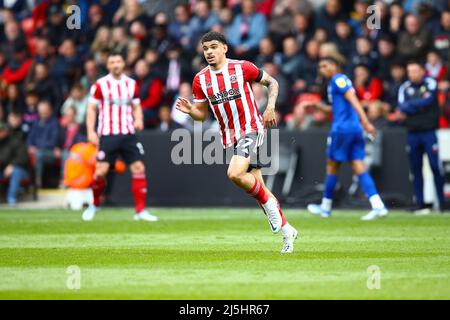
(221, 254)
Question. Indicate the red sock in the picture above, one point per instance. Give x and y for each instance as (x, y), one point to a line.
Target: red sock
(139, 187)
(283, 219)
(258, 192)
(98, 186)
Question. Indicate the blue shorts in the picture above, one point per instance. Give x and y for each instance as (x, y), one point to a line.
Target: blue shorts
(345, 147)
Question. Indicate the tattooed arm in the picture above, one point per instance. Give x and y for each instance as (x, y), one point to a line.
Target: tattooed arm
(272, 85)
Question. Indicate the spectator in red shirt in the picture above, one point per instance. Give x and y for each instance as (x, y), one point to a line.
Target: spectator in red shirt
(18, 65)
(151, 90)
(368, 87)
(434, 66)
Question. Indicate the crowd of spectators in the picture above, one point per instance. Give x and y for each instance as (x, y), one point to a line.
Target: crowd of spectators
(47, 67)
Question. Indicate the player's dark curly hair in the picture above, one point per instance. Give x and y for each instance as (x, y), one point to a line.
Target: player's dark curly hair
(212, 35)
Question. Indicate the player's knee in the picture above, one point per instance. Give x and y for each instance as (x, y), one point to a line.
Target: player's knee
(137, 168)
(332, 167)
(234, 175)
(101, 170)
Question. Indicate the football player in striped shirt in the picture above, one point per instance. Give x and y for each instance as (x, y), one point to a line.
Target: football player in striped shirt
(225, 87)
(115, 98)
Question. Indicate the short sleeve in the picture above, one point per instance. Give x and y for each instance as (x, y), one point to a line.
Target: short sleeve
(197, 92)
(251, 72)
(136, 100)
(342, 83)
(95, 94)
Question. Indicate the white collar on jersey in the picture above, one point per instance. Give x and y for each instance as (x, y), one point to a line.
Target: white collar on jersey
(114, 79)
(221, 69)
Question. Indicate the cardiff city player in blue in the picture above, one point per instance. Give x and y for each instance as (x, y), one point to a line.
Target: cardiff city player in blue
(346, 139)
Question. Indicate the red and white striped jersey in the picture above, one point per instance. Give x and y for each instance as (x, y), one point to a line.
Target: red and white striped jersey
(231, 99)
(114, 99)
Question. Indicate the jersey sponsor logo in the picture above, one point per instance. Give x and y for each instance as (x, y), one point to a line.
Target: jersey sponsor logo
(225, 96)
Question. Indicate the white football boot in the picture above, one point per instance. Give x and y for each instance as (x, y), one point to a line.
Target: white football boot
(89, 213)
(272, 212)
(317, 210)
(375, 214)
(288, 241)
(144, 216)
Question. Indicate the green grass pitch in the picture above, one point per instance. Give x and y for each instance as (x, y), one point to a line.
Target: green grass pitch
(221, 254)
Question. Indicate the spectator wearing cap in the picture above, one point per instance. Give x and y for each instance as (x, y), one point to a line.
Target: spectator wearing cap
(247, 30)
(415, 41)
(201, 22)
(419, 111)
(441, 35)
(13, 162)
(44, 139)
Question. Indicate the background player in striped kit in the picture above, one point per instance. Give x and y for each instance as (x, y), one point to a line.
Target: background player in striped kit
(225, 87)
(115, 98)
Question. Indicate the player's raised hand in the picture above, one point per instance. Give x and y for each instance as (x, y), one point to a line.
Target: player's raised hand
(183, 105)
(269, 118)
(93, 138)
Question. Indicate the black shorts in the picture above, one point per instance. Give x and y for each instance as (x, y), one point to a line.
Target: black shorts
(127, 146)
(248, 146)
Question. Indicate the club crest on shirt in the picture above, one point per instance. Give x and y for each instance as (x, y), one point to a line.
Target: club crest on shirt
(233, 78)
(208, 85)
(341, 83)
